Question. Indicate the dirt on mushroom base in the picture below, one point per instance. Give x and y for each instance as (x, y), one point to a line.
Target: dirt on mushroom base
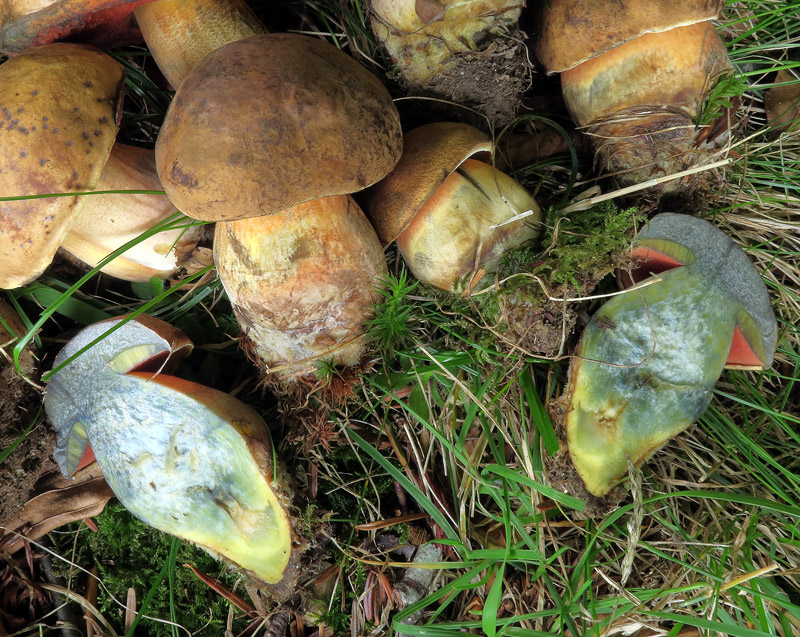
(491, 81)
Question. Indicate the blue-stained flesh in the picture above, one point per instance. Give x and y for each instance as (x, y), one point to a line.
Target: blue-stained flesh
(183, 458)
(647, 364)
(81, 378)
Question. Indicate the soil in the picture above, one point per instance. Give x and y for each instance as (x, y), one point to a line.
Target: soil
(490, 81)
(19, 401)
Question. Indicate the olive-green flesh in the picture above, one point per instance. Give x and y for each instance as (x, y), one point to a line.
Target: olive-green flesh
(644, 371)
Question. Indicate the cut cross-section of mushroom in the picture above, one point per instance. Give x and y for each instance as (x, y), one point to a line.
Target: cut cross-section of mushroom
(184, 458)
(452, 215)
(647, 363)
(60, 108)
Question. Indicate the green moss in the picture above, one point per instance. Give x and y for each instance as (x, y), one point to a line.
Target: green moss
(128, 553)
(584, 242)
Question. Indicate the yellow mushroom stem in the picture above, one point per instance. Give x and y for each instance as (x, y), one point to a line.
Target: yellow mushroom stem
(302, 282)
(639, 101)
(180, 33)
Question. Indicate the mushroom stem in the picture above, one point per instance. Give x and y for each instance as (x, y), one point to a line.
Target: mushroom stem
(107, 222)
(302, 283)
(637, 85)
(180, 33)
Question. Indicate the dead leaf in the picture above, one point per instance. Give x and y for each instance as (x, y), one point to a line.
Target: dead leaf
(57, 501)
(430, 10)
(782, 103)
(232, 597)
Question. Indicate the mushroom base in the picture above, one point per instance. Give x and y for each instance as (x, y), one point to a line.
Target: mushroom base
(644, 143)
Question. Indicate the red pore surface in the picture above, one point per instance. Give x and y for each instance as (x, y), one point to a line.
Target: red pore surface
(104, 23)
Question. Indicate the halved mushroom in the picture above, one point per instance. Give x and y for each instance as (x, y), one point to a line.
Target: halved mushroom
(107, 222)
(184, 458)
(274, 120)
(636, 79)
(302, 283)
(60, 108)
(647, 363)
(452, 215)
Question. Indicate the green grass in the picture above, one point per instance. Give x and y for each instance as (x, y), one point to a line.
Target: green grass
(455, 423)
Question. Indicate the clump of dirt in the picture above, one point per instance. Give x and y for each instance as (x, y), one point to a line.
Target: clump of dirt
(490, 81)
(19, 401)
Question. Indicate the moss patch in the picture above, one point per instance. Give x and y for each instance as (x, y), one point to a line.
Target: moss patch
(128, 553)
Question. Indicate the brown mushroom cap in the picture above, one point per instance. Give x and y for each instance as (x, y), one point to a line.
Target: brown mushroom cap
(271, 121)
(60, 106)
(104, 23)
(430, 154)
(574, 31)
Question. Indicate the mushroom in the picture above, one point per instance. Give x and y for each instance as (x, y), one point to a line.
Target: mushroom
(648, 360)
(103, 23)
(449, 48)
(302, 283)
(638, 83)
(782, 102)
(274, 120)
(186, 459)
(265, 126)
(107, 222)
(452, 215)
(60, 107)
(179, 33)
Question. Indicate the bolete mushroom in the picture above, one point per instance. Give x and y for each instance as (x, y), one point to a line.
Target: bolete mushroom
(270, 121)
(302, 282)
(186, 459)
(103, 23)
(636, 80)
(260, 126)
(107, 222)
(452, 215)
(782, 102)
(648, 360)
(60, 108)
